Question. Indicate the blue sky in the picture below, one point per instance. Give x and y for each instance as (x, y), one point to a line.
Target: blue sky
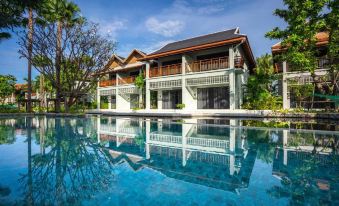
(149, 24)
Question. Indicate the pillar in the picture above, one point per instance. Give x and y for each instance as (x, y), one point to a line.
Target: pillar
(98, 98)
(159, 99)
(286, 101)
(148, 94)
(231, 77)
(109, 101)
(187, 98)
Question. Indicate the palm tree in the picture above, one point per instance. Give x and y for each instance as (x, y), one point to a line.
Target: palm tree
(64, 13)
(30, 46)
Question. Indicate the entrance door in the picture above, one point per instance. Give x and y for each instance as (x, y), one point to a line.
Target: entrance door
(213, 98)
(171, 98)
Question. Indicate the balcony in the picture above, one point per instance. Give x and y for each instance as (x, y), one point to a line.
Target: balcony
(322, 63)
(165, 70)
(208, 64)
(126, 80)
(107, 83)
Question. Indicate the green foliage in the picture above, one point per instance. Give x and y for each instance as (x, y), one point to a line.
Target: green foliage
(304, 20)
(140, 81)
(302, 92)
(259, 90)
(7, 86)
(9, 108)
(180, 106)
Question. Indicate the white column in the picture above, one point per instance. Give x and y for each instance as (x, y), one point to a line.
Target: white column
(159, 99)
(98, 99)
(231, 78)
(286, 101)
(148, 94)
(187, 98)
(109, 101)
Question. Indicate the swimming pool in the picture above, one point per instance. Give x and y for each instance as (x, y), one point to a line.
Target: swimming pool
(138, 161)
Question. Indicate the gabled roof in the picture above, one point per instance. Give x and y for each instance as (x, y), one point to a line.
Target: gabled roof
(205, 39)
(231, 36)
(133, 52)
(322, 39)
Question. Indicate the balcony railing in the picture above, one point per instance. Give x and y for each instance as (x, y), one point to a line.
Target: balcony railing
(165, 70)
(208, 64)
(107, 83)
(126, 80)
(322, 63)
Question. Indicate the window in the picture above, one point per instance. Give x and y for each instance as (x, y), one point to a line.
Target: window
(213, 98)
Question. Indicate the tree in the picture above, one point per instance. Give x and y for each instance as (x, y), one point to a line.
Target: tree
(65, 14)
(140, 84)
(260, 92)
(7, 86)
(332, 26)
(84, 56)
(304, 18)
(11, 16)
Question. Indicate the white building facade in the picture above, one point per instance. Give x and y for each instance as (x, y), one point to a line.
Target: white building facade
(205, 73)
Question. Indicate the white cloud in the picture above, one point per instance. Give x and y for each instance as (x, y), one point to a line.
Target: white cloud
(111, 28)
(167, 28)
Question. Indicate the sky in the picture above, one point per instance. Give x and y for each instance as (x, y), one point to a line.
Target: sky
(150, 24)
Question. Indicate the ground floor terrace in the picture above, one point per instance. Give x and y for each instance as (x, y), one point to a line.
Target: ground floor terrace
(212, 91)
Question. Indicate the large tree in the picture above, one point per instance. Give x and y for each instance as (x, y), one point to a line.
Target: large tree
(84, 55)
(65, 14)
(305, 18)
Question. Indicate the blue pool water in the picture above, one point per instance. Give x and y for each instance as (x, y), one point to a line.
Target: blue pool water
(131, 161)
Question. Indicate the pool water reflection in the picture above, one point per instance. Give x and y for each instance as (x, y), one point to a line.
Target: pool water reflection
(123, 161)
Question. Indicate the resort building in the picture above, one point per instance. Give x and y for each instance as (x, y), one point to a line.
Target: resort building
(293, 76)
(202, 73)
(117, 91)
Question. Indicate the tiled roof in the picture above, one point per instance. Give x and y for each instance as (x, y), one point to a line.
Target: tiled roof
(322, 38)
(200, 40)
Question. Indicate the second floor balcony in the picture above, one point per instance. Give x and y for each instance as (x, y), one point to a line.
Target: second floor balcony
(322, 63)
(196, 66)
(165, 70)
(107, 83)
(207, 64)
(126, 80)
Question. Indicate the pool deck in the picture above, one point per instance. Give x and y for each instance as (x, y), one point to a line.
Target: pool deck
(216, 114)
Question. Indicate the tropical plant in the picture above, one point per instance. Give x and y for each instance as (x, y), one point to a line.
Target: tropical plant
(260, 92)
(306, 18)
(140, 83)
(65, 14)
(180, 106)
(11, 16)
(7, 86)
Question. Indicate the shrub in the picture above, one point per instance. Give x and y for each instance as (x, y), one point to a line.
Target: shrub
(180, 106)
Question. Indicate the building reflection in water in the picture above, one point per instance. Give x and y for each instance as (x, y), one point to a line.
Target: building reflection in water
(215, 156)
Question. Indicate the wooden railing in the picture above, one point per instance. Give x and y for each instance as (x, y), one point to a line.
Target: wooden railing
(322, 63)
(106, 83)
(208, 64)
(165, 70)
(126, 80)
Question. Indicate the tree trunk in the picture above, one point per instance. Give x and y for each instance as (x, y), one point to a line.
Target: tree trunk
(30, 46)
(42, 91)
(58, 68)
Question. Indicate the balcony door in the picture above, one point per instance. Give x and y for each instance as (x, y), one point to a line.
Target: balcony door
(213, 98)
(171, 98)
